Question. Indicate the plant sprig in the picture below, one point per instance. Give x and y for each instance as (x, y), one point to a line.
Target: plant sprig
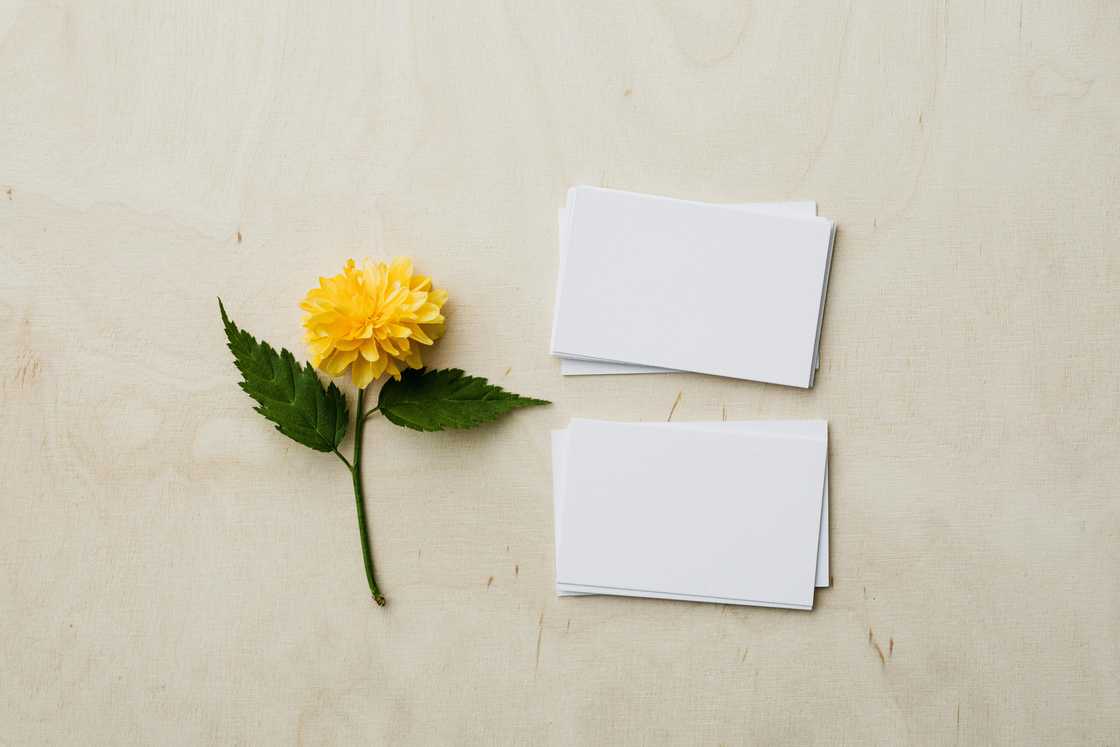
(293, 398)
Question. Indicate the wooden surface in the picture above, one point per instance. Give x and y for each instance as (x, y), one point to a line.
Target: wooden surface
(173, 571)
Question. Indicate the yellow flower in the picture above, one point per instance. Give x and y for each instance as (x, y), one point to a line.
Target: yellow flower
(373, 319)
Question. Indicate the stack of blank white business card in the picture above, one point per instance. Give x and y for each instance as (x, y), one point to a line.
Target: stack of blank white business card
(654, 284)
(726, 512)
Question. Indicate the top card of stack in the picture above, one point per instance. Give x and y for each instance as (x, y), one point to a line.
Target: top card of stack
(727, 512)
(691, 286)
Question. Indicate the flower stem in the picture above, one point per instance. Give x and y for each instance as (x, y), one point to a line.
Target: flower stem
(359, 499)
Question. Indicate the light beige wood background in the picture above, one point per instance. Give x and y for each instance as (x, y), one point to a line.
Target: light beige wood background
(173, 571)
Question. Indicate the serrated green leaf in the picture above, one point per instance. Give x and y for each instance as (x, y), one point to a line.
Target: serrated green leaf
(290, 395)
(448, 398)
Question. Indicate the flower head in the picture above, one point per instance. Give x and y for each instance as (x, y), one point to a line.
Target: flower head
(373, 318)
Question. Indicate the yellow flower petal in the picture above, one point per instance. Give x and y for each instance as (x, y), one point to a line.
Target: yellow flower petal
(435, 331)
(438, 297)
(319, 345)
(418, 334)
(361, 372)
(392, 369)
(398, 330)
(388, 346)
(379, 366)
(336, 362)
(400, 271)
(427, 313)
(369, 351)
(349, 344)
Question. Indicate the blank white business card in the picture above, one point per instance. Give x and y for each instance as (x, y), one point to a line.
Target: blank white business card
(804, 428)
(674, 284)
(690, 513)
(578, 367)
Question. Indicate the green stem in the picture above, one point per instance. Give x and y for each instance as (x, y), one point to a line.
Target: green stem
(359, 499)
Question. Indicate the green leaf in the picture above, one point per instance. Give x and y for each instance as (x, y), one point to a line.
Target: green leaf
(435, 400)
(289, 395)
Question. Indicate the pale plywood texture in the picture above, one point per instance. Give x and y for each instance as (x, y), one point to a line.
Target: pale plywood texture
(175, 572)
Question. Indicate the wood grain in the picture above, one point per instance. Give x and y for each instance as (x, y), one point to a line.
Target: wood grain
(176, 572)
